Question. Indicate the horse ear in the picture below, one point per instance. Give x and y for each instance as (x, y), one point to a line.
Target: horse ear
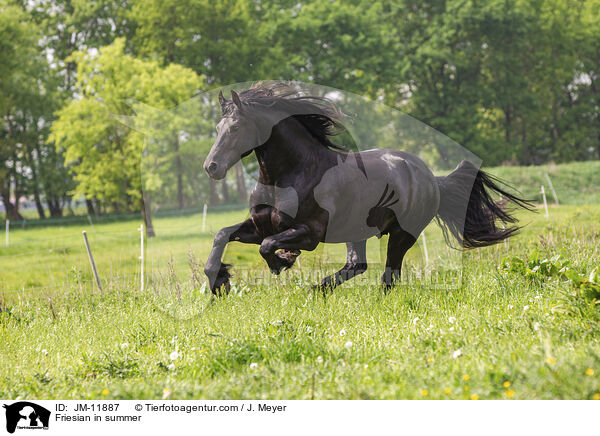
(236, 99)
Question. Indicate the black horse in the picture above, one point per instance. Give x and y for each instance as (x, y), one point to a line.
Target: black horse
(311, 190)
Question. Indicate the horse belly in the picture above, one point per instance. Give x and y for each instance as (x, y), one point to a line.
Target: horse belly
(350, 193)
(348, 201)
(349, 223)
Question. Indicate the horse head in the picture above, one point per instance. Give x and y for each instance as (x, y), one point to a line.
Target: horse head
(237, 136)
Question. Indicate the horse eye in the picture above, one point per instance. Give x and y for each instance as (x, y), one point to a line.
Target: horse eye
(234, 128)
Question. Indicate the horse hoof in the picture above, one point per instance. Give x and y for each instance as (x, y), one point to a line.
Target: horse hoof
(387, 288)
(277, 270)
(221, 286)
(322, 289)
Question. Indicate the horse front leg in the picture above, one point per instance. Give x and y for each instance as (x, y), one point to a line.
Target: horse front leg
(290, 242)
(217, 271)
(356, 264)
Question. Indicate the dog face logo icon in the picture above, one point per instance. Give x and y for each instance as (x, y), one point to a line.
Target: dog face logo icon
(26, 415)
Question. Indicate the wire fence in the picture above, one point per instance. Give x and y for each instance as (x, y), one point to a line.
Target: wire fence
(33, 264)
(171, 264)
(177, 253)
(109, 218)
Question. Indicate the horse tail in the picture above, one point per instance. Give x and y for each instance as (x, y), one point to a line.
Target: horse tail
(469, 213)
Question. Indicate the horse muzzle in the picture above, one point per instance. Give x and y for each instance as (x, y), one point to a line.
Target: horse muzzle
(214, 170)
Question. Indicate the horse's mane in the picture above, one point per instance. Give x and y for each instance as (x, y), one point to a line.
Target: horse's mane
(318, 115)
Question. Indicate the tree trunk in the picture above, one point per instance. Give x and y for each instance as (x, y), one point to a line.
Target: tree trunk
(213, 198)
(12, 211)
(241, 183)
(179, 171)
(524, 145)
(54, 207)
(225, 191)
(147, 215)
(90, 207)
(18, 189)
(70, 206)
(35, 183)
(38, 202)
(507, 124)
(98, 207)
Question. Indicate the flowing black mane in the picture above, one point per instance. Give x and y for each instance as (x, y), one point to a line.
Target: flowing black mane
(318, 115)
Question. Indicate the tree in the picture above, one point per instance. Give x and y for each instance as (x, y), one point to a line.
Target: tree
(103, 153)
(216, 39)
(505, 78)
(583, 92)
(27, 100)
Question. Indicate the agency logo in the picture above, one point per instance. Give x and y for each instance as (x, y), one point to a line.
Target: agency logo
(26, 415)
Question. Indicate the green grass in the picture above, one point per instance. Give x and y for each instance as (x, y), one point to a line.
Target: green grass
(42, 256)
(576, 183)
(269, 339)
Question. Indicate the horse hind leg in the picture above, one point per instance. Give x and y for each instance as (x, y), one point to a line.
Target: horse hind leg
(399, 243)
(356, 264)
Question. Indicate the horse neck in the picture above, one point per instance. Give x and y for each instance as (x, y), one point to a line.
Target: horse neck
(291, 148)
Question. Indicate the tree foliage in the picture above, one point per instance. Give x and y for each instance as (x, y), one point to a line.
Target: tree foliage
(28, 97)
(103, 152)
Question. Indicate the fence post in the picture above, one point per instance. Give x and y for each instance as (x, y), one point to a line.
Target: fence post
(141, 230)
(7, 231)
(552, 189)
(92, 263)
(204, 218)
(545, 202)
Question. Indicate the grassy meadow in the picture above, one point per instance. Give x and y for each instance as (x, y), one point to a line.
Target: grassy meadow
(574, 183)
(522, 322)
